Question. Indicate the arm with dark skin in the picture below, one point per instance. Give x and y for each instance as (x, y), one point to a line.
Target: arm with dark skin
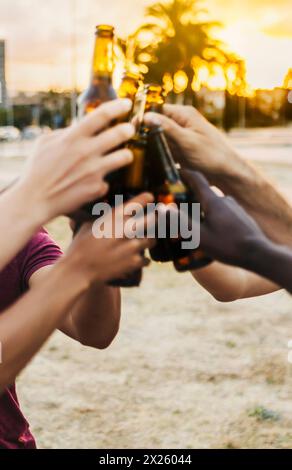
(230, 235)
(199, 146)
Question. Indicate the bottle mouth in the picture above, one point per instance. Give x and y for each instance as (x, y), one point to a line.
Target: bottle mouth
(105, 30)
(153, 87)
(133, 75)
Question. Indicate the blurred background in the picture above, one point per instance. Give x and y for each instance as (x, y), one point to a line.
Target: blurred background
(230, 59)
(185, 371)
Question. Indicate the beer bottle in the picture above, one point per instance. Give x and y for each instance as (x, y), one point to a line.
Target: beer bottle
(133, 178)
(154, 100)
(133, 182)
(128, 89)
(101, 87)
(101, 90)
(166, 185)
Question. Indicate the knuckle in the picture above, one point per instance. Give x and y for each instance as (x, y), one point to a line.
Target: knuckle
(137, 261)
(104, 113)
(136, 245)
(81, 151)
(190, 109)
(149, 242)
(126, 153)
(123, 131)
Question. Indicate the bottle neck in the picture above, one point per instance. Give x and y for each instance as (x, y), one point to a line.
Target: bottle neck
(135, 173)
(160, 150)
(103, 59)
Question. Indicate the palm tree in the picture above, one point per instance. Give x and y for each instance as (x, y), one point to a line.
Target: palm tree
(179, 34)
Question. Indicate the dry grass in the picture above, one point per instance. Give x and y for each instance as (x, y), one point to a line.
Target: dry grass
(185, 371)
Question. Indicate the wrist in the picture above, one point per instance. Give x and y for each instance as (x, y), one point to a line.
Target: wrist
(71, 267)
(235, 174)
(80, 262)
(257, 253)
(27, 201)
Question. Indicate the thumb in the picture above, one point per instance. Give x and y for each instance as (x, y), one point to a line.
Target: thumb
(197, 182)
(170, 127)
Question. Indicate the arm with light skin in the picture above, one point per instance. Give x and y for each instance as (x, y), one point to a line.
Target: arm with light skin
(230, 235)
(198, 145)
(27, 324)
(67, 288)
(95, 316)
(229, 283)
(67, 169)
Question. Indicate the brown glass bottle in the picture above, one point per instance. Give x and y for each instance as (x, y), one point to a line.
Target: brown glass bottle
(128, 89)
(166, 185)
(133, 182)
(101, 88)
(154, 100)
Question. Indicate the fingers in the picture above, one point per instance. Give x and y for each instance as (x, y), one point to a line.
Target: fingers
(145, 225)
(111, 138)
(115, 160)
(170, 127)
(199, 184)
(131, 256)
(147, 243)
(143, 199)
(132, 211)
(182, 115)
(102, 117)
(136, 248)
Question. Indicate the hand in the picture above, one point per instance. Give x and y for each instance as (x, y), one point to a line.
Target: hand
(105, 259)
(68, 167)
(195, 142)
(228, 233)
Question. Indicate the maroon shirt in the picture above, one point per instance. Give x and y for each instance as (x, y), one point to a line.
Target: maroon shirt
(40, 251)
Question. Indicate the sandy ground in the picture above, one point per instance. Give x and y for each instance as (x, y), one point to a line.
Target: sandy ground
(185, 370)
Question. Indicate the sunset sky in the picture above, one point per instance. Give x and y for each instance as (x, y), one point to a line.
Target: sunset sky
(38, 34)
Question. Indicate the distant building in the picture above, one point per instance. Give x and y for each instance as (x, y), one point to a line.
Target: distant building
(3, 89)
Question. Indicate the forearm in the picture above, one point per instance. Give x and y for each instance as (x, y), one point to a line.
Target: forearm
(95, 317)
(26, 325)
(272, 261)
(20, 220)
(259, 197)
(228, 283)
